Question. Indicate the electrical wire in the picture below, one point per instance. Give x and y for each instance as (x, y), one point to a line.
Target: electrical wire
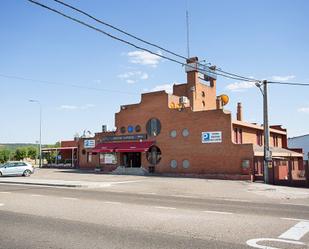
(225, 74)
(288, 83)
(118, 29)
(65, 85)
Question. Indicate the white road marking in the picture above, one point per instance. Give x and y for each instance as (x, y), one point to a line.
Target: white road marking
(151, 193)
(295, 219)
(161, 207)
(184, 196)
(112, 202)
(253, 242)
(69, 198)
(216, 212)
(3, 192)
(34, 195)
(237, 200)
(1, 204)
(296, 232)
(294, 204)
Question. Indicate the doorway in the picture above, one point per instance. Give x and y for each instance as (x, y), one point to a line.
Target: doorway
(131, 159)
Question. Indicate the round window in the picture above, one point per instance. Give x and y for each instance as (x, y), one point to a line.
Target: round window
(174, 164)
(130, 129)
(153, 155)
(138, 128)
(123, 129)
(173, 133)
(153, 127)
(185, 132)
(185, 164)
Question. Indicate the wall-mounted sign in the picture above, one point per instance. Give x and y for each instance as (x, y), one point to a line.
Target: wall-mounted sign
(89, 143)
(124, 137)
(211, 137)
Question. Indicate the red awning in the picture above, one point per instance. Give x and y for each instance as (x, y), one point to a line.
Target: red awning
(123, 147)
(134, 146)
(104, 147)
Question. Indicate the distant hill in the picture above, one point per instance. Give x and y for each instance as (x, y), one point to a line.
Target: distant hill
(13, 146)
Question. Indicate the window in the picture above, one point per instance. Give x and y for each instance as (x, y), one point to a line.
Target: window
(138, 128)
(203, 94)
(108, 158)
(185, 132)
(173, 164)
(89, 157)
(238, 136)
(275, 140)
(130, 129)
(153, 127)
(123, 129)
(185, 164)
(203, 103)
(173, 133)
(153, 155)
(259, 138)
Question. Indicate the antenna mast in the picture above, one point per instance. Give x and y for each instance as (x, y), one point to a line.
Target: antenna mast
(188, 34)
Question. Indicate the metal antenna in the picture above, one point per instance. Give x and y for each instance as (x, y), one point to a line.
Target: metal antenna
(188, 33)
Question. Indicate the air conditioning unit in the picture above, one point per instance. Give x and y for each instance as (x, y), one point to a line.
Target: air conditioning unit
(183, 100)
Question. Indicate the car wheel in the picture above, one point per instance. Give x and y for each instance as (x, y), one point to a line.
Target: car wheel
(27, 173)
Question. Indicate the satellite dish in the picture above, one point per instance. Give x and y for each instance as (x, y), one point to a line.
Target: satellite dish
(224, 98)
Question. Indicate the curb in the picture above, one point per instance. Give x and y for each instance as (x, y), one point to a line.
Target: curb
(44, 184)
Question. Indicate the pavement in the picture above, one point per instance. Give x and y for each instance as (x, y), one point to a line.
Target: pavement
(242, 191)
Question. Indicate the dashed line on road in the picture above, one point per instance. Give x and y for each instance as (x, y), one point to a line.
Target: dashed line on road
(69, 198)
(216, 212)
(35, 195)
(183, 196)
(1, 204)
(4, 192)
(149, 193)
(162, 207)
(294, 219)
(112, 202)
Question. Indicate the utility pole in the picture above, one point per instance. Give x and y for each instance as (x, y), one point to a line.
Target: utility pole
(267, 154)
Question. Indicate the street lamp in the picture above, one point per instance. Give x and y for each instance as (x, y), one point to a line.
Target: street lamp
(267, 153)
(40, 146)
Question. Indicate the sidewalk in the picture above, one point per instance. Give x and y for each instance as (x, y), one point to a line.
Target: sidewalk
(242, 191)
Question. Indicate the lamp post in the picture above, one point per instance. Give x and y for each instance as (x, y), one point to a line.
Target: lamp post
(267, 153)
(40, 139)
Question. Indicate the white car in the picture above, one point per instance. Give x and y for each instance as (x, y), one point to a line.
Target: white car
(16, 168)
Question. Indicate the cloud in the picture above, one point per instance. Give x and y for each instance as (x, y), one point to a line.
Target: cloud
(304, 110)
(133, 76)
(283, 78)
(240, 86)
(75, 107)
(166, 87)
(68, 107)
(144, 58)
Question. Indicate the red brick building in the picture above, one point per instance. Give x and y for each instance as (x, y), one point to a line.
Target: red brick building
(187, 132)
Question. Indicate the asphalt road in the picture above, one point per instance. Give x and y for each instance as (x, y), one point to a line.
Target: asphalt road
(44, 217)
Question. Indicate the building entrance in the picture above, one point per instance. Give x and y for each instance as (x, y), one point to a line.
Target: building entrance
(131, 159)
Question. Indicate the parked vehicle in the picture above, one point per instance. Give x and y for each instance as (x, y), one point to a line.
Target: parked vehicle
(16, 168)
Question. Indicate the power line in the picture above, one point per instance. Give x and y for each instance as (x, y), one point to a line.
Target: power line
(65, 85)
(118, 29)
(225, 74)
(149, 43)
(288, 83)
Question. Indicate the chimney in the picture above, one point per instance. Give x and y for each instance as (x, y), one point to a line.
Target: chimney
(239, 112)
(191, 70)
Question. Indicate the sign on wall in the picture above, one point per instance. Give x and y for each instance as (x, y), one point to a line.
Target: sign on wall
(124, 137)
(89, 143)
(211, 137)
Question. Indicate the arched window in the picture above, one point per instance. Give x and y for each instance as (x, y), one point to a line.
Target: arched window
(154, 155)
(153, 127)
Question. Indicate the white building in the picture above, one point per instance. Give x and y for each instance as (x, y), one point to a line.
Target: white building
(300, 142)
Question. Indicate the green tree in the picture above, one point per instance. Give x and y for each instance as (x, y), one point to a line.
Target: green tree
(32, 152)
(4, 155)
(20, 153)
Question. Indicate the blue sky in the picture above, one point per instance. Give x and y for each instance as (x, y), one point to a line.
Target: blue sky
(263, 39)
